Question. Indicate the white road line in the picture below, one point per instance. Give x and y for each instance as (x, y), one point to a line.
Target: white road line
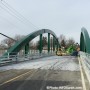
(86, 71)
(82, 75)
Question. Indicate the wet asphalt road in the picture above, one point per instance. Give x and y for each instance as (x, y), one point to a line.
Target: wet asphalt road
(51, 73)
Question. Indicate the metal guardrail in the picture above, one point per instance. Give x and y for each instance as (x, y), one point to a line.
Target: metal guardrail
(85, 61)
(10, 59)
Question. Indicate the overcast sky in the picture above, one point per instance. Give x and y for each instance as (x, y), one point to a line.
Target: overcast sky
(61, 16)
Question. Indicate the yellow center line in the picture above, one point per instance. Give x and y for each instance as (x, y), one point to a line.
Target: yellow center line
(15, 78)
(82, 75)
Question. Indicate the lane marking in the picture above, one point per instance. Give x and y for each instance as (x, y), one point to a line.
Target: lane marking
(20, 76)
(15, 78)
(82, 75)
(86, 72)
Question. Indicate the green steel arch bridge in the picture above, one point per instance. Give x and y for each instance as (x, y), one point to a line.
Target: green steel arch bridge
(84, 41)
(24, 42)
(52, 72)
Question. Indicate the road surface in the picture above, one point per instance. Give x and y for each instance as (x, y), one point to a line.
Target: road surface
(50, 73)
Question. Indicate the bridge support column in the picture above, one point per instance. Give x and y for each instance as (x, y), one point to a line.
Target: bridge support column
(40, 46)
(48, 42)
(53, 43)
(26, 48)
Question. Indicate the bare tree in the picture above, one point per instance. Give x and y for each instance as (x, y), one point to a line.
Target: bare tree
(9, 42)
(62, 40)
(62, 37)
(31, 44)
(18, 37)
(44, 42)
(70, 41)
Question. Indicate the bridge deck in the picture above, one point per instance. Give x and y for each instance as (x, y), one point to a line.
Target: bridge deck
(51, 73)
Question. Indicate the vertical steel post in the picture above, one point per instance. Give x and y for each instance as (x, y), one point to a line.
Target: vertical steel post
(48, 42)
(40, 46)
(53, 43)
(57, 45)
(26, 48)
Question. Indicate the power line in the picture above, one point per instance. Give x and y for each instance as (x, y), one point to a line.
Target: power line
(11, 23)
(11, 13)
(19, 14)
(15, 13)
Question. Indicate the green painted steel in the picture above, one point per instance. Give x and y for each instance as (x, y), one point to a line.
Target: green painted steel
(27, 48)
(40, 48)
(84, 41)
(53, 43)
(48, 42)
(18, 45)
(8, 37)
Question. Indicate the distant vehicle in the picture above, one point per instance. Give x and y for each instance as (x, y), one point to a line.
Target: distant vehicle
(59, 53)
(75, 53)
(70, 51)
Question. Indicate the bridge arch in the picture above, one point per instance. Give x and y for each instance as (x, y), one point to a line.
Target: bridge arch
(84, 41)
(24, 41)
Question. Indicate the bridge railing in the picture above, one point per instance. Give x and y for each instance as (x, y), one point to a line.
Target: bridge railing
(85, 61)
(20, 58)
